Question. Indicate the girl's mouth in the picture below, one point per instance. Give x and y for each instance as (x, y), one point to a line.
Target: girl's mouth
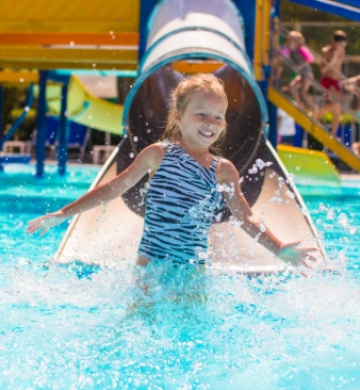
(207, 134)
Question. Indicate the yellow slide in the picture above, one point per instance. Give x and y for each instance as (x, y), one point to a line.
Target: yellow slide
(314, 128)
(84, 108)
(306, 164)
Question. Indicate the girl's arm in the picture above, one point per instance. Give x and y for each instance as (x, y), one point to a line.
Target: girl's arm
(227, 175)
(147, 161)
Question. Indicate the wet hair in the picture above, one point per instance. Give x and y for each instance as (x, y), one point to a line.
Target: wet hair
(297, 37)
(180, 98)
(339, 36)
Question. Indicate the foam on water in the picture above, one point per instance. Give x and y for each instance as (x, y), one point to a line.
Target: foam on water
(64, 327)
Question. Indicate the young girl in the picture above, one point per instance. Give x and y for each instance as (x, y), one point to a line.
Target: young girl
(301, 59)
(185, 175)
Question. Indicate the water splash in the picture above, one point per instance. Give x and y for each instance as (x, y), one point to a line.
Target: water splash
(81, 326)
(201, 330)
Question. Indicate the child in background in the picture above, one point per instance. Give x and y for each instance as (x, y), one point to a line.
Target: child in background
(331, 68)
(188, 172)
(300, 59)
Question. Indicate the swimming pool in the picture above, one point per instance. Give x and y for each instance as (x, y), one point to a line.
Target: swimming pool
(77, 327)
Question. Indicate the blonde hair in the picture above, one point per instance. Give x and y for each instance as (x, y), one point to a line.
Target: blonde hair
(297, 37)
(180, 98)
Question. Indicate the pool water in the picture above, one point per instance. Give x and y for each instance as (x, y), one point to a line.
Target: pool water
(83, 327)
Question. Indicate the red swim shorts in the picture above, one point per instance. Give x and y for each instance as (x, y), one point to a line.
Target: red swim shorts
(328, 82)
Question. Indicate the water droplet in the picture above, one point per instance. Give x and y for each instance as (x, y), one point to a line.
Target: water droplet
(290, 194)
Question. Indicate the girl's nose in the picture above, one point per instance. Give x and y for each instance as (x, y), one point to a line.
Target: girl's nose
(210, 123)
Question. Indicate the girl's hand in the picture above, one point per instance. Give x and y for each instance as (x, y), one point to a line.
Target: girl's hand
(46, 222)
(295, 256)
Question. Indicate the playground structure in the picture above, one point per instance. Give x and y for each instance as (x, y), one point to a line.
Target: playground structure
(185, 32)
(67, 98)
(162, 41)
(49, 45)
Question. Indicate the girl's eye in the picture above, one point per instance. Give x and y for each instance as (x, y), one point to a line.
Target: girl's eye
(200, 114)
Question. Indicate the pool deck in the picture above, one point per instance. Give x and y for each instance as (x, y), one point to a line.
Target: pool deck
(350, 176)
(350, 179)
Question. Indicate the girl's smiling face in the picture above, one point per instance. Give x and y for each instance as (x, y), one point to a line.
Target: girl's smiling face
(203, 120)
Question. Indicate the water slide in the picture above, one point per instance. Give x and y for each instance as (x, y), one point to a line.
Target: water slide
(196, 32)
(85, 108)
(309, 166)
(314, 128)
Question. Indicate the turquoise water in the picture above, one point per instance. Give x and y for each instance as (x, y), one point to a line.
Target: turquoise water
(76, 327)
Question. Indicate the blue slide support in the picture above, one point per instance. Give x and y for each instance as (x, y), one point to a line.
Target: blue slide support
(41, 125)
(146, 9)
(248, 11)
(62, 152)
(1, 118)
(1, 111)
(272, 109)
(63, 133)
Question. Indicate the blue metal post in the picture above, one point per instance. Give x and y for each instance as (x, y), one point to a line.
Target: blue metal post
(41, 125)
(1, 111)
(146, 8)
(248, 12)
(272, 124)
(1, 119)
(272, 112)
(62, 151)
(272, 109)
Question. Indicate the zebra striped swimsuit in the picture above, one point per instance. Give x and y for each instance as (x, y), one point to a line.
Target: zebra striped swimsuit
(181, 200)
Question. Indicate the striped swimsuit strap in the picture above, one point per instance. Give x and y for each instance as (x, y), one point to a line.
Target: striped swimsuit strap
(175, 150)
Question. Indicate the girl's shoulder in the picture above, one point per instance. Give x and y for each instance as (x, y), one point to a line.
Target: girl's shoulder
(226, 171)
(155, 149)
(171, 147)
(152, 154)
(167, 144)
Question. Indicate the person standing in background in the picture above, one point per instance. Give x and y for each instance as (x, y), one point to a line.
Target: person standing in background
(334, 55)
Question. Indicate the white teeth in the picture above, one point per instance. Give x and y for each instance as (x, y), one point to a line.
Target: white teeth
(207, 133)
